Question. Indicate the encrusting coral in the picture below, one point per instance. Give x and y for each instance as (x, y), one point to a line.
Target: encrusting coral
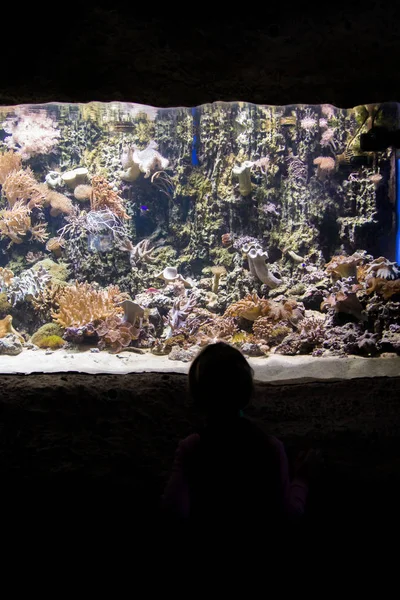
(81, 304)
(52, 342)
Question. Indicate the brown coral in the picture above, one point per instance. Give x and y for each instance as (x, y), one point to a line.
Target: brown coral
(269, 332)
(103, 197)
(81, 303)
(218, 328)
(251, 308)
(9, 161)
(325, 166)
(21, 186)
(16, 223)
(382, 268)
(83, 192)
(342, 266)
(383, 287)
(347, 303)
(6, 276)
(59, 203)
(55, 245)
(115, 333)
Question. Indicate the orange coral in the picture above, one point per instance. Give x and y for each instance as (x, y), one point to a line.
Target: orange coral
(383, 287)
(7, 327)
(81, 303)
(21, 186)
(9, 161)
(217, 328)
(103, 196)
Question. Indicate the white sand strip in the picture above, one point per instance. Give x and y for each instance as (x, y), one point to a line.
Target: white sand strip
(275, 368)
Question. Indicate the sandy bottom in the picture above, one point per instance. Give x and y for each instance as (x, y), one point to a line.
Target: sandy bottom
(272, 369)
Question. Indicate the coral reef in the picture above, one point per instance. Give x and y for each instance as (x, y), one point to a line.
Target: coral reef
(135, 161)
(46, 331)
(383, 287)
(51, 342)
(31, 132)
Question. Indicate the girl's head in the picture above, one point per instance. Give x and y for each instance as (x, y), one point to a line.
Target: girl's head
(221, 380)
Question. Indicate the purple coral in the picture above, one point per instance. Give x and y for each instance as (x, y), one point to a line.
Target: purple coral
(182, 307)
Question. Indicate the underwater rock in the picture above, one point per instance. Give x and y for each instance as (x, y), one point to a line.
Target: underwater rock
(251, 349)
(183, 354)
(10, 344)
(313, 298)
(243, 173)
(390, 341)
(155, 319)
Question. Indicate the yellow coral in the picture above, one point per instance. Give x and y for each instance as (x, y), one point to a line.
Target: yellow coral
(9, 161)
(81, 304)
(103, 197)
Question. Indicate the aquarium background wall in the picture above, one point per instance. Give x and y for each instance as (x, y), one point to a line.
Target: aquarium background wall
(127, 228)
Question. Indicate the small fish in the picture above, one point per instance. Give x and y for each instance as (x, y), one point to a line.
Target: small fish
(144, 208)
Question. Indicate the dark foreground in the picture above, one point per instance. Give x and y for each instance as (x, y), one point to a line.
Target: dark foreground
(107, 442)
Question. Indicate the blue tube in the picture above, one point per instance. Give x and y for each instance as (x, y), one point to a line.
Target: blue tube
(195, 160)
(398, 210)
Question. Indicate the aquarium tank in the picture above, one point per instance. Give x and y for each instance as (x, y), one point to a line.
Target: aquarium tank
(149, 233)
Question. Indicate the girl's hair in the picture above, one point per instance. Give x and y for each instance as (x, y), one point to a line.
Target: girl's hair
(221, 379)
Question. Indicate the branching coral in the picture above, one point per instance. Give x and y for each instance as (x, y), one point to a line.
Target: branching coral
(116, 334)
(21, 186)
(16, 224)
(182, 307)
(382, 268)
(383, 287)
(9, 162)
(103, 197)
(81, 304)
(138, 254)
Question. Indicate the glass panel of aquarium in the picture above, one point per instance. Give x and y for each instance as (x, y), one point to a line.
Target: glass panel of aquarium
(131, 237)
